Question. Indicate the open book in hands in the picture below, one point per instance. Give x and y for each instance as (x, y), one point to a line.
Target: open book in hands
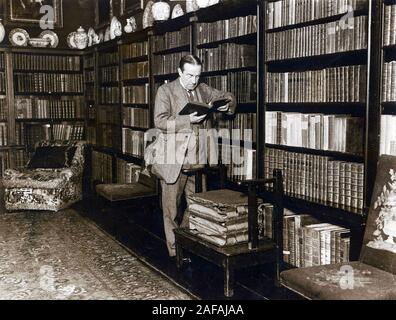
(203, 108)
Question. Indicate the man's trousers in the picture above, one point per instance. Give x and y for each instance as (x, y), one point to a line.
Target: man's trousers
(171, 201)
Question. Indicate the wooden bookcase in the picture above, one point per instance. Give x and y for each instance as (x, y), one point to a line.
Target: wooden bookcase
(387, 71)
(312, 56)
(230, 30)
(43, 99)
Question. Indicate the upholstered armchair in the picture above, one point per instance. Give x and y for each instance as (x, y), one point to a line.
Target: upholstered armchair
(52, 180)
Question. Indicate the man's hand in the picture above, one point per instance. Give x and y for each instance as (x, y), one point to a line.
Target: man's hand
(196, 119)
(224, 108)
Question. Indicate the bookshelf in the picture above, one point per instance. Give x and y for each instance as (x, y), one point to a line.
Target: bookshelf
(41, 94)
(136, 96)
(317, 67)
(225, 40)
(388, 62)
(90, 86)
(48, 96)
(108, 96)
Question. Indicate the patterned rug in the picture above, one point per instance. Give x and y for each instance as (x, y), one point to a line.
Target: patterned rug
(62, 255)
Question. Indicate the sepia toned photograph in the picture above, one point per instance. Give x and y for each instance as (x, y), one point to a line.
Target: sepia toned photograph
(199, 155)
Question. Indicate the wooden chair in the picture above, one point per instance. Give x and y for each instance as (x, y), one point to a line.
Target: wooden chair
(373, 276)
(254, 252)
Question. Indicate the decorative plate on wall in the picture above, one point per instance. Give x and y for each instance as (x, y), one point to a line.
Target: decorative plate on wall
(52, 36)
(148, 19)
(19, 37)
(70, 40)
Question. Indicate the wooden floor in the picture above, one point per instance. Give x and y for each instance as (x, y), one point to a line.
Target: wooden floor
(143, 234)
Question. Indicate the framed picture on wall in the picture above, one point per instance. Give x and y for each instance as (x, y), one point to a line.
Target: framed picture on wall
(28, 11)
(104, 12)
(131, 6)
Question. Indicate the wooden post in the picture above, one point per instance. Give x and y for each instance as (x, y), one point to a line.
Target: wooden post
(252, 217)
(278, 222)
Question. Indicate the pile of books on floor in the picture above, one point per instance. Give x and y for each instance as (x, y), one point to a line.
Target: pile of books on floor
(221, 216)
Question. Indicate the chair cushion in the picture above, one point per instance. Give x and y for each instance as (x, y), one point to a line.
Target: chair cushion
(332, 282)
(53, 157)
(120, 192)
(36, 178)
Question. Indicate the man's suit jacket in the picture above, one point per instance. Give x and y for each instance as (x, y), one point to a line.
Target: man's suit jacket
(170, 100)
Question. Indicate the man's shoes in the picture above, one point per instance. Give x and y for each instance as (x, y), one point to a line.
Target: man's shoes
(187, 260)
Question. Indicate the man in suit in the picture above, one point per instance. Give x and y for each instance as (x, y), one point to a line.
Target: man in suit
(170, 100)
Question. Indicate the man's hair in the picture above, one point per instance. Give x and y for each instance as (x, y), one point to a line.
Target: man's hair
(191, 59)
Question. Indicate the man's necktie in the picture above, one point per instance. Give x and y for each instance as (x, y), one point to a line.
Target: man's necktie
(191, 96)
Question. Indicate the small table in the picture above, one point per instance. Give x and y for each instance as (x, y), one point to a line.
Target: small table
(229, 258)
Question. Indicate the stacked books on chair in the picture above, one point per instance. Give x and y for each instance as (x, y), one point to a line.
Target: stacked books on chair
(221, 216)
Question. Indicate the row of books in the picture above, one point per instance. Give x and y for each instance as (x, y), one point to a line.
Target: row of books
(389, 82)
(127, 172)
(289, 12)
(242, 127)
(340, 84)
(388, 135)
(89, 62)
(136, 94)
(102, 167)
(108, 58)
(340, 133)
(135, 70)
(225, 29)
(228, 56)
(22, 61)
(307, 242)
(46, 82)
(4, 162)
(319, 39)
(68, 131)
(165, 64)
(109, 95)
(242, 84)
(109, 74)
(390, 25)
(3, 108)
(132, 142)
(3, 134)
(136, 117)
(171, 39)
(239, 161)
(36, 108)
(133, 50)
(319, 179)
(2, 82)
